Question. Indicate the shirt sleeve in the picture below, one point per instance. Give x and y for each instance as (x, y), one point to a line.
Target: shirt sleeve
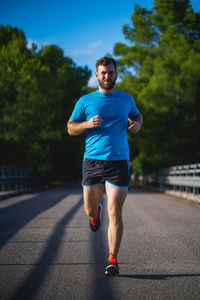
(78, 114)
(134, 110)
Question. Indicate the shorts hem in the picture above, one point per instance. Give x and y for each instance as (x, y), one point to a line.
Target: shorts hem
(91, 184)
(124, 186)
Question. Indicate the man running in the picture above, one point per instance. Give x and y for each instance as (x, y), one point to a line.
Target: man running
(104, 115)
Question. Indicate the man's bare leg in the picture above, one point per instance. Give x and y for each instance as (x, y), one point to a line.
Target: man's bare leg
(115, 199)
(92, 196)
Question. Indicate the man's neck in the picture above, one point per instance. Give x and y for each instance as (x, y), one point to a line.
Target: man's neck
(106, 91)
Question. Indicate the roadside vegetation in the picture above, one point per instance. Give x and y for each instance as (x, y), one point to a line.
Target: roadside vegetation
(159, 66)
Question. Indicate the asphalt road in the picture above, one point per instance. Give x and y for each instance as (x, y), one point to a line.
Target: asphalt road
(48, 252)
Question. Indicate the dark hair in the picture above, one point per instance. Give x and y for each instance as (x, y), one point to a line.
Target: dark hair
(104, 61)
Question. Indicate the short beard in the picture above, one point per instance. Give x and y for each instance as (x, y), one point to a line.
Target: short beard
(108, 86)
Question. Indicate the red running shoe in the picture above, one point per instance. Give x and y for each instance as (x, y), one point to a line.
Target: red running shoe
(95, 223)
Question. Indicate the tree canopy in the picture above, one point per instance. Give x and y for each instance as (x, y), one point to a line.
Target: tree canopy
(160, 67)
(37, 92)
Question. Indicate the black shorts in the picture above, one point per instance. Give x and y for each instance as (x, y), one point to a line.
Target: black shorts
(97, 171)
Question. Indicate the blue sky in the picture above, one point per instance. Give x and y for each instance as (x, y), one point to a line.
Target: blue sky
(85, 30)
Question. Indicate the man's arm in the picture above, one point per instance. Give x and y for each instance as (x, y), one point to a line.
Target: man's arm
(135, 123)
(76, 128)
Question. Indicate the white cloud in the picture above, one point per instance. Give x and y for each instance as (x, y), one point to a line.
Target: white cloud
(31, 41)
(87, 51)
(39, 44)
(93, 81)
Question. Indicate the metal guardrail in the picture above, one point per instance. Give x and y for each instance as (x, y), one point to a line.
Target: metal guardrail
(185, 178)
(12, 179)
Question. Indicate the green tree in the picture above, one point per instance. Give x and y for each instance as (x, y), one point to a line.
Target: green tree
(37, 92)
(160, 67)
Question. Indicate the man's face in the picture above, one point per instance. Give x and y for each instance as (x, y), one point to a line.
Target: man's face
(106, 75)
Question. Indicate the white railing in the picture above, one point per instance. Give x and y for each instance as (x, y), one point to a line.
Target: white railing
(12, 178)
(185, 178)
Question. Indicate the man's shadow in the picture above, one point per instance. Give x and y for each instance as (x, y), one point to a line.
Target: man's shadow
(157, 276)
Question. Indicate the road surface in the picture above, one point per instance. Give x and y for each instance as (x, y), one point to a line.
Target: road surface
(48, 252)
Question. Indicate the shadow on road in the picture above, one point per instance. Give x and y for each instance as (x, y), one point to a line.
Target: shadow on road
(16, 216)
(102, 285)
(31, 285)
(157, 276)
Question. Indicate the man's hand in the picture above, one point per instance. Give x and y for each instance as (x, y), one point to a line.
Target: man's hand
(95, 121)
(135, 124)
(76, 128)
(134, 127)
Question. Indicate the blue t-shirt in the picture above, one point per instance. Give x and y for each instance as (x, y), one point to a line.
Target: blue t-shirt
(109, 141)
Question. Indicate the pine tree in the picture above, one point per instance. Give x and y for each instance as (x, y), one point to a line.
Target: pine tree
(160, 67)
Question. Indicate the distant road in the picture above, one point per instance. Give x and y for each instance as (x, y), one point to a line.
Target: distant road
(48, 252)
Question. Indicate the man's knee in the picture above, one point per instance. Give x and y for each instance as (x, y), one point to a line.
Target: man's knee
(90, 211)
(115, 214)
(87, 210)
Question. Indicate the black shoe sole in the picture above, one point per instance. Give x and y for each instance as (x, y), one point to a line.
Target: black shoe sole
(112, 270)
(94, 228)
